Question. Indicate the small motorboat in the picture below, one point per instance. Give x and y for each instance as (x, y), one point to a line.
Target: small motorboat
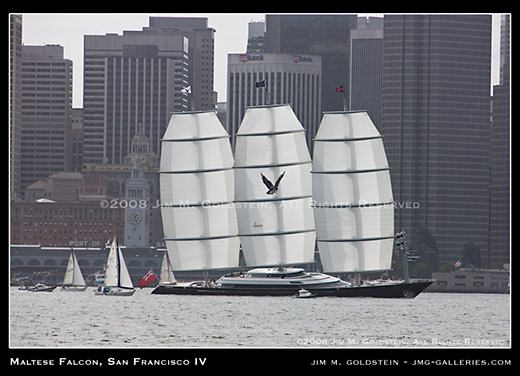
(40, 287)
(302, 293)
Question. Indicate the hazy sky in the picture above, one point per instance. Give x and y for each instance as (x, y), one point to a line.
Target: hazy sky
(230, 37)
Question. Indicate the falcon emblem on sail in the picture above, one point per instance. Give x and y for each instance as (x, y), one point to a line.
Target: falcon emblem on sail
(272, 189)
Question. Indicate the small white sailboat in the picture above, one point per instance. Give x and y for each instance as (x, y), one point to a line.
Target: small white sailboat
(167, 278)
(73, 280)
(117, 279)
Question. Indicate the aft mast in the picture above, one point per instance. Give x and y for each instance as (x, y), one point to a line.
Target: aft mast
(353, 201)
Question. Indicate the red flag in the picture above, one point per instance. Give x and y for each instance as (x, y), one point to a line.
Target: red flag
(147, 279)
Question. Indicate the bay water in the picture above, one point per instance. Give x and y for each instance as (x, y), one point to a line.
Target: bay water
(82, 319)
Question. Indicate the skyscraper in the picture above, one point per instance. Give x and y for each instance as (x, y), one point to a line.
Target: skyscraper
(500, 225)
(130, 79)
(436, 85)
(46, 116)
(327, 36)
(200, 52)
(366, 68)
(260, 79)
(15, 101)
(256, 38)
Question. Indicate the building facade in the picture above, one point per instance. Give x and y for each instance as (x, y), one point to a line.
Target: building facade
(260, 79)
(15, 102)
(366, 71)
(46, 116)
(472, 281)
(70, 224)
(436, 126)
(200, 51)
(500, 206)
(130, 79)
(327, 36)
(256, 38)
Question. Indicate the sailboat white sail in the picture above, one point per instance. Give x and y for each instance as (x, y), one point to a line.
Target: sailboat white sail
(273, 188)
(353, 201)
(117, 279)
(197, 189)
(166, 278)
(73, 280)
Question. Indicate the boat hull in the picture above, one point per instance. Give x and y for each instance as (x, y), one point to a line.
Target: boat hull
(43, 289)
(390, 290)
(73, 288)
(114, 291)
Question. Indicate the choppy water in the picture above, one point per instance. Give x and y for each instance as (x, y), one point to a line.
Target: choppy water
(66, 319)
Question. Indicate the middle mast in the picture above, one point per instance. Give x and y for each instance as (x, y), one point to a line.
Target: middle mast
(273, 188)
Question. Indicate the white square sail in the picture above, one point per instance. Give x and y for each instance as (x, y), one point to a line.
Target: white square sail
(353, 201)
(273, 188)
(197, 191)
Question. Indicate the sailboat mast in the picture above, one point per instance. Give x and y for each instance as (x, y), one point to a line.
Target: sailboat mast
(118, 265)
(73, 267)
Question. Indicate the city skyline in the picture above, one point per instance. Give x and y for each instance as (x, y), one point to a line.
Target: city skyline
(230, 37)
(291, 41)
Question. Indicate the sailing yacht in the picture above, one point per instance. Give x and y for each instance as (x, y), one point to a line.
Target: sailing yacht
(117, 279)
(73, 280)
(276, 214)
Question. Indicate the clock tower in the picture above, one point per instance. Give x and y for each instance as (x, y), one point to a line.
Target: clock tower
(137, 210)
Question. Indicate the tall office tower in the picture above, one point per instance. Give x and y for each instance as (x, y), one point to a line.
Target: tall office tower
(436, 123)
(255, 80)
(500, 225)
(200, 51)
(327, 36)
(46, 113)
(366, 68)
(15, 102)
(130, 79)
(256, 38)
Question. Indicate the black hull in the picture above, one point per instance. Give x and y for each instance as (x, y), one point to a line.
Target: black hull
(394, 290)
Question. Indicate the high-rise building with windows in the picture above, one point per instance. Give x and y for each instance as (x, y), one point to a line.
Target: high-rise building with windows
(500, 207)
(200, 51)
(261, 79)
(327, 36)
(15, 101)
(46, 115)
(436, 126)
(130, 79)
(366, 68)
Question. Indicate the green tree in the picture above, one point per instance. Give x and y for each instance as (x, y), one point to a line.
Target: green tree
(425, 246)
(471, 255)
